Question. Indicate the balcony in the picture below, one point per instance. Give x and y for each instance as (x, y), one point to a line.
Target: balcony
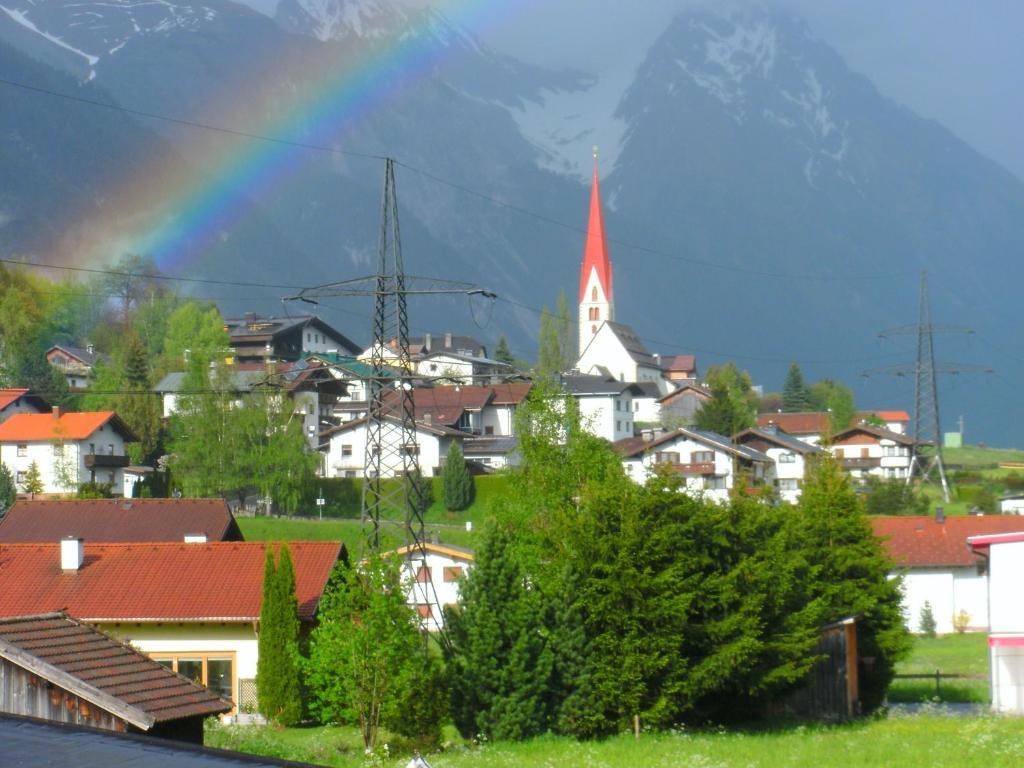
(695, 468)
(104, 461)
(861, 463)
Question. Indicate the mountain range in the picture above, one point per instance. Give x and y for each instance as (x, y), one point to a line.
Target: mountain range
(764, 202)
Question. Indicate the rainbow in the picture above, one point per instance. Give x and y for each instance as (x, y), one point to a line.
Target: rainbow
(198, 207)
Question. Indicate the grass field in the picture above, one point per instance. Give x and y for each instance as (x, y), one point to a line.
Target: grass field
(906, 741)
(976, 456)
(965, 654)
(349, 531)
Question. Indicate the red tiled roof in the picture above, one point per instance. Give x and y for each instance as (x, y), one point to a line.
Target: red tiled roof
(66, 426)
(881, 433)
(801, 423)
(919, 541)
(8, 396)
(892, 415)
(679, 363)
(220, 581)
(118, 520)
(109, 674)
(512, 393)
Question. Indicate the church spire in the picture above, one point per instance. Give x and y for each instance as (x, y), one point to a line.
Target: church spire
(596, 303)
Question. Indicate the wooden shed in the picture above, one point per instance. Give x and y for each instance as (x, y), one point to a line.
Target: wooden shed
(56, 668)
(832, 690)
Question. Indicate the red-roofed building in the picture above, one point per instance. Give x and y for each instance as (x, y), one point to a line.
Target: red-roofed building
(68, 448)
(680, 368)
(14, 401)
(194, 607)
(894, 421)
(938, 565)
(808, 426)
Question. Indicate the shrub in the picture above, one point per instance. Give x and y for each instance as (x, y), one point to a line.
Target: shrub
(94, 490)
(458, 483)
(961, 620)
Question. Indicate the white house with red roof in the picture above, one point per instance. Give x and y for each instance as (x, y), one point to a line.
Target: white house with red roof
(431, 574)
(938, 566)
(194, 607)
(787, 452)
(1004, 554)
(68, 448)
(345, 447)
(866, 450)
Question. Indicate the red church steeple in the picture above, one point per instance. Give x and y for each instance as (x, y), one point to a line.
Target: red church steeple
(595, 253)
(597, 303)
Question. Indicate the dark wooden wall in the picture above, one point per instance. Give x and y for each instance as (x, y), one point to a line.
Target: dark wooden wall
(23, 693)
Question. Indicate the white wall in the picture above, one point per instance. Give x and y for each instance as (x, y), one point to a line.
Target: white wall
(600, 303)
(789, 472)
(455, 369)
(501, 418)
(646, 409)
(431, 450)
(1012, 506)
(606, 350)
(949, 591)
(640, 468)
(1006, 639)
(71, 466)
(438, 590)
(607, 416)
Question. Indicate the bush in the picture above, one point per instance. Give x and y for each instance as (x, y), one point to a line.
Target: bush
(93, 490)
(926, 623)
(961, 621)
(894, 497)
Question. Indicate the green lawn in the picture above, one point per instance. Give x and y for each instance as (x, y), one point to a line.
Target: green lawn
(906, 741)
(965, 654)
(975, 456)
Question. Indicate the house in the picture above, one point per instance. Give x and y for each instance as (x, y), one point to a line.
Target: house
(194, 607)
(866, 450)
(356, 374)
(447, 358)
(240, 380)
(477, 410)
(894, 421)
(257, 339)
(1012, 504)
(937, 565)
(491, 453)
(647, 403)
(605, 403)
(119, 520)
(680, 406)
(75, 363)
(680, 369)
(431, 573)
(68, 448)
(56, 668)
(14, 401)
(708, 463)
(616, 350)
(809, 426)
(789, 454)
(345, 454)
(1004, 554)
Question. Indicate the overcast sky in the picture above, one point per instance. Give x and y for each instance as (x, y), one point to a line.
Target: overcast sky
(958, 61)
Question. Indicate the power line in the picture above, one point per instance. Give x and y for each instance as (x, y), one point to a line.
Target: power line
(523, 211)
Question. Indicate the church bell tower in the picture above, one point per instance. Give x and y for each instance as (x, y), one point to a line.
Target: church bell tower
(597, 302)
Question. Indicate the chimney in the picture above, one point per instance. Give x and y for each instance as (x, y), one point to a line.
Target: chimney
(940, 515)
(448, 341)
(195, 538)
(250, 317)
(90, 348)
(428, 418)
(72, 553)
(426, 342)
(56, 411)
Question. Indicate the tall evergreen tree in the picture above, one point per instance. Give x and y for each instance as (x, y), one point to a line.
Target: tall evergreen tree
(500, 663)
(502, 353)
(278, 685)
(795, 394)
(8, 489)
(459, 487)
(850, 573)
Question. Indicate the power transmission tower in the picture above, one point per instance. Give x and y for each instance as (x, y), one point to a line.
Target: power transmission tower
(392, 478)
(926, 392)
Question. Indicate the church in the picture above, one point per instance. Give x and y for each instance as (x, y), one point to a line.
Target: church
(609, 348)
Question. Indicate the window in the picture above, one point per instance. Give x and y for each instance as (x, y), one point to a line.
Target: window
(618, 426)
(350, 473)
(425, 610)
(593, 293)
(452, 573)
(58, 449)
(636, 406)
(346, 450)
(865, 453)
(786, 458)
(423, 574)
(214, 670)
(309, 337)
(714, 483)
(789, 485)
(21, 478)
(23, 450)
(488, 430)
(110, 449)
(702, 457)
(666, 457)
(411, 450)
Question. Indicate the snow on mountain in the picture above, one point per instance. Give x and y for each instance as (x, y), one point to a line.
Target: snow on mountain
(341, 19)
(94, 30)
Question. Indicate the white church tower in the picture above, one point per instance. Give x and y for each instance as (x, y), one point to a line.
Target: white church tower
(597, 303)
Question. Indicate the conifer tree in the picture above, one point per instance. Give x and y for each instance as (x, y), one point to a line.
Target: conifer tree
(850, 573)
(502, 353)
(8, 490)
(33, 480)
(278, 687)
(795, 394)
(500, 663)
(459, 487)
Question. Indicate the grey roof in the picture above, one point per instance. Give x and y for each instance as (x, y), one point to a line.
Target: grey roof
(587, 384)
(438, 429)
(87, 357)
(31, 743)
(256, 326)
(632, 344)
(240, 381)
(648, 389)
(724, 443)
(779, 437)
(466, 345)
(462, 356)
(489, 444)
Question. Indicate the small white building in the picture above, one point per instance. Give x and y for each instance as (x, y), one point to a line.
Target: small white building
(708, 463)
(605, 404)
(865, 450)
(1012, 504)
(789, 455)
(346, 447)
(431, 573)
(1005, 555)
(68, 449)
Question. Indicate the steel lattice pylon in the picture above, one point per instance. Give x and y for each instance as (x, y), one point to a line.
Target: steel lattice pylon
(926, 391)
